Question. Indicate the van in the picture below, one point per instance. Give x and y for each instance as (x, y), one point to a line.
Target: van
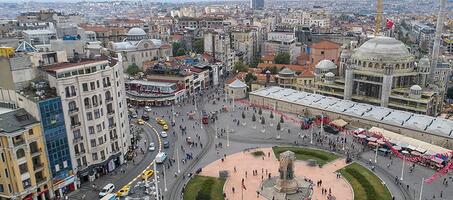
(161, 157)
(106, 190)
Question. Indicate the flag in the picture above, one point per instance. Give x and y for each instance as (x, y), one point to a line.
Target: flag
(389, 24)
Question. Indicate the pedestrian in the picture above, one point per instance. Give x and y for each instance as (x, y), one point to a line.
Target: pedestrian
(234, 169)
(245, 174)
(268, 154)
(232, 189)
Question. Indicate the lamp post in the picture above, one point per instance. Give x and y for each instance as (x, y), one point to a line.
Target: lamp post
(228, 137)
(322, 123)
(375, 154)
(311, 134)
(177, 159)
(402, 168)
(155, 180)
(421, 188)
(165, 180)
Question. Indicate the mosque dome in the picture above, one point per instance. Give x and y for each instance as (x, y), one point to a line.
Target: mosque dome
(325, 65)
(330, 74)
(136, 32)
(383, 49)
(416, 88)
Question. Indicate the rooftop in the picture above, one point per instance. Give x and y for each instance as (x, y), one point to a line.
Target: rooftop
(325, 44)
(59, 66)
(15, 120)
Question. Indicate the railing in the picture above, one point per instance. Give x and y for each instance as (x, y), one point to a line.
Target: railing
(88, 106)
(35, 151)
(77, 139)
(37, 166)
(114, 137)
(40, 180)
(19, 142)
(112, 126)
(73, 110)
(109, 99)
(75, 125)
(111, 112)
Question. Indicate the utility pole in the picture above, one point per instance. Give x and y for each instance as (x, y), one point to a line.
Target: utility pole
(155, 180)
(421, 188)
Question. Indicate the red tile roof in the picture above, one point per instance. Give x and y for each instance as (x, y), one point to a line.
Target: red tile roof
(297, 68)
(325, 44)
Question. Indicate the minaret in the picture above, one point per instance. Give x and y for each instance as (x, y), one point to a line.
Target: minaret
(387, 82)
(437, 38)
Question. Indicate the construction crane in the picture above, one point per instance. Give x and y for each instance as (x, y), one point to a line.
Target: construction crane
(378, 17)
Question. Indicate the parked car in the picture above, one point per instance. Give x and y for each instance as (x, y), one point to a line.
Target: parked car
(145, 117)
(161, 121)
(331, 129)
(124, 191)
(166, 144)
(134, 115)
(106, 189)
(152, 147)
(163, 134)
(140, 121)
(165, 127)
(161, 157)
(147, 109)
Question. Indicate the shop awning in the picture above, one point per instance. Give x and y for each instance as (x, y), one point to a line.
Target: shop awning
(339, 123)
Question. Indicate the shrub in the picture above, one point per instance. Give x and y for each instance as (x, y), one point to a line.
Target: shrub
(279, 126)
(253, 117)
(281, 119)
(258, 153)
(260, 111)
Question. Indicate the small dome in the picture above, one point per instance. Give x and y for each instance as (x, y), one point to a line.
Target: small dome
(136, 31)
(237, 84)
(326, 65)
(286, 71)
(416, 87)
(330, 74)
(424, 62)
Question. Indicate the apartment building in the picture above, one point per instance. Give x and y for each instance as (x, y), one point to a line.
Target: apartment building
(24, 169)
(93, 96)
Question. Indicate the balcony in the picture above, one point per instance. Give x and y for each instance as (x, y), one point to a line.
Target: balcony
(112, 126)
(73, 110)
(77, 139)
(88, 106)
(114, 137)
(77, 154)
(109, 99)
(38, 166)
(111, 112)
(18, 142)
(35, 151)
(75, 125)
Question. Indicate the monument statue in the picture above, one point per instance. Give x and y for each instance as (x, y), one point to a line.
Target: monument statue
(286, 183)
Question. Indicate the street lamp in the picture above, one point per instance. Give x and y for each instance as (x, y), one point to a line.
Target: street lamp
(421, 188)
(311, 134)
(164, 177)
(402, 169)
(177, 159)
(375, 154)
(155, 180)
(228, 137)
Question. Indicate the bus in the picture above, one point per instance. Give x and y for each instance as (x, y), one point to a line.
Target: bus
(110, 196)
(160, 158)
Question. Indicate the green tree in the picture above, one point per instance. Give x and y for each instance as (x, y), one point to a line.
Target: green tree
(274, 70)
(281, 119)
(133, 69)
(255, 63)
(450, 93)
(176, 46)
(239, 66)
(263, 121)
(249, 77)
(279, 126)
(198, 45)
(260, 112)
(180, 52)
(243, 115)
(272, 115)
(253, 117)
(282, 58)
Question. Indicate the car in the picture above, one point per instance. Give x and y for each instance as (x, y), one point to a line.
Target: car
(134, 115)
(140, 121)
(147, 109)
(163, 134)
(147, 174)
(124, 191)
(161, 157)
(152, 147)
(161, 121)
(106, 189)
(166, 144)
(145, 117)
(331, 129)
(165, 127)
(189, 140)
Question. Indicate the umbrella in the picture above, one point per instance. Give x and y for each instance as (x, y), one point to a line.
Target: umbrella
(361, 136)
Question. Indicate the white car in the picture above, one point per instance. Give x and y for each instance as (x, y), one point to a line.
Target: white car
(152, 147)
(106, 189)
(163, 134)
(147, 109)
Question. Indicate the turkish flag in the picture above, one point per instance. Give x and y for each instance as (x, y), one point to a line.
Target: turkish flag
(389, 24)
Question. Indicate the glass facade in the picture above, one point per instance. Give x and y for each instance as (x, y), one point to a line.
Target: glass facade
(53, 124)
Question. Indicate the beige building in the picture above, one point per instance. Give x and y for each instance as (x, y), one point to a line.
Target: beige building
(24, 169)
(236, 90)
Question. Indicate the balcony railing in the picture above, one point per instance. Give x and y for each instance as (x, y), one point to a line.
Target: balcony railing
(19, 142)
(114, 137)
(35, 151)
(73, 110)
(40, 180)
(88, 106)
(77, 139)
(112, 126)
(111, 112)
(80, 153)
(75, 125)
(109, 99)
(38, 166)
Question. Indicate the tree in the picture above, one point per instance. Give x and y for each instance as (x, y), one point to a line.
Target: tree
(450, 93)
(253, 117)
(281, 119)
(177, 48)
(260, 112)
(239, 66)
(243, 115)
(249, 77)
(255, 63)
(133, 69)
(274, 70)
(180, 52)
(198, 45)
(272, 115)
(282, 58)
(262, 120)
(279, 126)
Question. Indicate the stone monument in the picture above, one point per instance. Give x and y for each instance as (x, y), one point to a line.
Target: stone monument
(286, 183)
(286, 186)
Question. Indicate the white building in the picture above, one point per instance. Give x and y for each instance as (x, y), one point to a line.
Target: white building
(93, 97)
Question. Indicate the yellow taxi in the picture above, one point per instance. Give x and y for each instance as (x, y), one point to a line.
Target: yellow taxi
(140, 121)
(161, 121)
(124, 191)
(147, 174)
(165, 127)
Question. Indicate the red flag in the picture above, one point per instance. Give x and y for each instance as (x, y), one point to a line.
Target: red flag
(389, 24)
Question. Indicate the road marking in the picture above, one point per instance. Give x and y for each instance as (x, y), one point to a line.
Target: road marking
(151, 164)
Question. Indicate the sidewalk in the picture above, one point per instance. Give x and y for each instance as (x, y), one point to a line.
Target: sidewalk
(116, 177)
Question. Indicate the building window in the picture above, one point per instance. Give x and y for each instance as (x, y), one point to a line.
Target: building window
(30, 132)
(1, 188)
(91, 130)
(95, 100)
(26, 183)
(89, 116)
(101, 140)
(95, 156)
(20, 153)
(93, 142)
(85, 87)
(72, 106)
(322, 52)
(23, 168)
(6, 173)
(98, 128)
(96, 113)
(86, 101)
